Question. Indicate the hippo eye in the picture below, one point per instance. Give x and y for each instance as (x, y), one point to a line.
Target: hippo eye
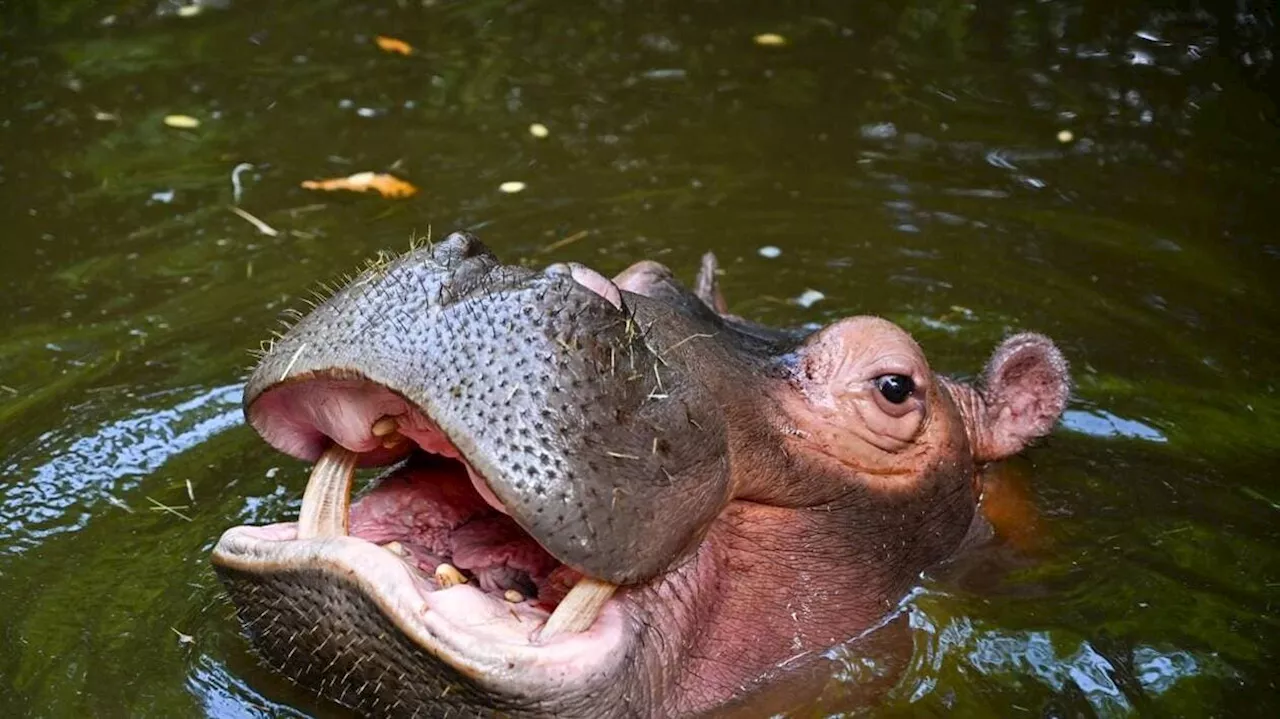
(896, 388)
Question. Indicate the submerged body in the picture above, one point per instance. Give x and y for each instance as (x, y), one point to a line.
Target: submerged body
(608, 497)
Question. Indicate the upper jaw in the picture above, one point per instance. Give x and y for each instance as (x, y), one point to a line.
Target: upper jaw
(552, 393)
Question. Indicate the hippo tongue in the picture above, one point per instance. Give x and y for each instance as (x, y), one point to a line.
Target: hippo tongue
(326, 505)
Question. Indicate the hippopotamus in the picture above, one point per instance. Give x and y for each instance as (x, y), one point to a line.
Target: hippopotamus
(600, 497)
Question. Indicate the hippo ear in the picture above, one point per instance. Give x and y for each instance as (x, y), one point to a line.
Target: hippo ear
(1024, 392)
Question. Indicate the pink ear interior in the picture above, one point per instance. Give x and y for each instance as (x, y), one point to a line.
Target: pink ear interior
(1025, 388)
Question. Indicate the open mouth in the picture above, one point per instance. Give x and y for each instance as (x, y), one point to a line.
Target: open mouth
(430, 544)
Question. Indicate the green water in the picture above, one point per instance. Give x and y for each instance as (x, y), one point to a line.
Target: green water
(905, 159)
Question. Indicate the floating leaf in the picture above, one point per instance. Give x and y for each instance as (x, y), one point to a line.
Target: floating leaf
(770, 39)
(390, 44)
(183, 122)
(383, 184)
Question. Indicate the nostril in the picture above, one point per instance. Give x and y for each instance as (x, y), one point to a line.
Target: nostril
(458, 246)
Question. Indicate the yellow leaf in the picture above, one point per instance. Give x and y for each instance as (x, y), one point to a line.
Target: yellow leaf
(390, 44)
(185, 122)
(383, 184)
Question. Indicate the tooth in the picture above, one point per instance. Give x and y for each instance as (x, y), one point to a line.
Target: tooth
(385, 426)
(392, 440)
(448, 575)
(579, 609)
(396, 548)
(326, 503)
(513, 596)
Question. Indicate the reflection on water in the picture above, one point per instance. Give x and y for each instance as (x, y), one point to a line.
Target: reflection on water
(1101, 423)
(224, 695)
(84, 471)
(960, 649)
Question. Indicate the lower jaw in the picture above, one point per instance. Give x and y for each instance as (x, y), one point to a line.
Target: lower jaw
(345, 618)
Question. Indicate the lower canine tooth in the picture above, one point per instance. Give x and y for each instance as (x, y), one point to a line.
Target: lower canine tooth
(579, 609)
(396, 548)
(326, 503)
(447, 575)
(513, 596)
(392, 440)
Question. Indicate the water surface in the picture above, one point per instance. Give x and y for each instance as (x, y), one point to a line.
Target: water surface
(1105, 176)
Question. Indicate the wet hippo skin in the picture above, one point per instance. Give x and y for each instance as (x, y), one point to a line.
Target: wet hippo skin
(653, 503)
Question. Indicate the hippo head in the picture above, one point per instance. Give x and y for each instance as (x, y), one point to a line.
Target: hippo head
(602, 498)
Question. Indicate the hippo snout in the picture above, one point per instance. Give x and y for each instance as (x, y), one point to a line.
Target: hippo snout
(543, 382)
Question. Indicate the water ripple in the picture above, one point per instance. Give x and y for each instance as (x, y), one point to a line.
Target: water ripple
(111, 459)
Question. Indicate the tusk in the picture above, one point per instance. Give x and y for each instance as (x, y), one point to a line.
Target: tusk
(579, 609)
(326, 503)
(513, 596)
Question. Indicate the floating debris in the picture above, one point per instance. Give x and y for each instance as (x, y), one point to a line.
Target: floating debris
(539, 130)
(512, 187)
(665, 73)
(770, 39)
(809, 297)
(263, 227)
(237, 190)
(1065, 136)
(182, 122)
(161, 507)
(769, 252)
(391, 44)
(566, 240)
(1255, 494)
(879, 131)
(183, 638)
(384, 184)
